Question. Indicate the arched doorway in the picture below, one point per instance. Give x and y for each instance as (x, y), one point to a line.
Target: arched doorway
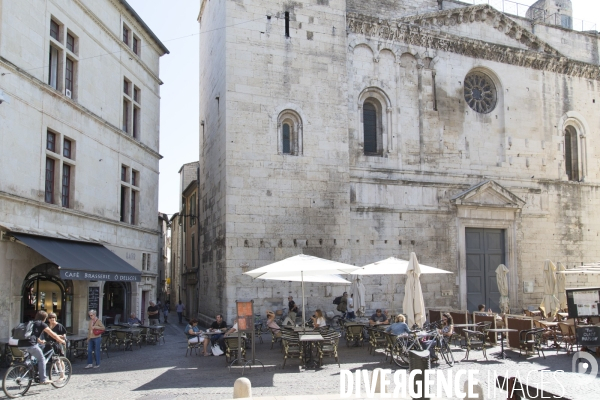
(116, 299)
(43, 290)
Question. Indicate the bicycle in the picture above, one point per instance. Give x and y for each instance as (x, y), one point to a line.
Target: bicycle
(404, 344)
(441, 347)
(19, 378)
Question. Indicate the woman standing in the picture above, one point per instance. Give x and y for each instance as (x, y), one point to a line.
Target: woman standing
(94, 337)
(58, 348)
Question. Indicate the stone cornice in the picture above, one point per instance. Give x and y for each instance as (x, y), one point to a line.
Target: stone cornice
(540, 56)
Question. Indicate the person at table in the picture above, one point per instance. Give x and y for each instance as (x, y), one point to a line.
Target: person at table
(94, 339)
(195, 335)
(399, 327)
(133, 320)
(38, 333)
(446, 332)
(379, 318)
(153, 313)
(350, 313)
(293, 311)
(318, 319)
(218, 325)
(272, 325)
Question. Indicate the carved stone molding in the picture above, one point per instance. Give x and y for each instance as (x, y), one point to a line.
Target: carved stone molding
(418, 31)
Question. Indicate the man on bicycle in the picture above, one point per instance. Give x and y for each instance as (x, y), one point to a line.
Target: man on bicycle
(32, 344)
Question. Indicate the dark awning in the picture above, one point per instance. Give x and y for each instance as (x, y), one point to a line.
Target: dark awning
(82, 261)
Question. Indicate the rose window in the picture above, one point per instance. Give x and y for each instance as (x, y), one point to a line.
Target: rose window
(480, 92)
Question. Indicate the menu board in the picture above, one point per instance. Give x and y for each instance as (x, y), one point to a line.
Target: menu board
(245, 315)
(583, 302)
(588, 336)
(94, 299)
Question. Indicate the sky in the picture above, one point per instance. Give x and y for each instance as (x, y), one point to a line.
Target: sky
(175, 23)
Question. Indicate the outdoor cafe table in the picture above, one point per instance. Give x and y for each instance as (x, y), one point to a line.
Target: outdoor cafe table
(465, 325)
(307, 340)
(73, 339)
(501, 332)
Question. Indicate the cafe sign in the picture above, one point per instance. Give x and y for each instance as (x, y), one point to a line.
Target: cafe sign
(98, 276)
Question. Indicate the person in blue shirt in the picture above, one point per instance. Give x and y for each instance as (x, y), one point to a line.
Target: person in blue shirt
(133, 320)
(399, 327)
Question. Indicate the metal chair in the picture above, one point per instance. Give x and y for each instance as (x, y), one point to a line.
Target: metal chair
(232, 349)
(123, 339)
(530, 340)
(376, 340)
(329, 346)
(117, 319)
(104, 342)
(275, 336)
(474, 340)
(136, 338)
(292, 348)
(354, 333)
(568, 337)
(192, 346)
(390, 340)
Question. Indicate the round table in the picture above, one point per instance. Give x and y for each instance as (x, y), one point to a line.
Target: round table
(501, 331)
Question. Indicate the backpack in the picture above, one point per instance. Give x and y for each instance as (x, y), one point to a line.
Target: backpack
(337, 300)
(23, 331)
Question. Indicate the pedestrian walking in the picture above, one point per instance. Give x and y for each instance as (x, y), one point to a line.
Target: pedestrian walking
(95, 331)
(180, 309)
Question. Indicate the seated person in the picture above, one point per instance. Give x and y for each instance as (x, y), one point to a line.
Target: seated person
(318, 319)
(272, 324)
(194, 335)
(379, 318)
(399, 327)
(446, 331)
(218, 325)
(133, 320)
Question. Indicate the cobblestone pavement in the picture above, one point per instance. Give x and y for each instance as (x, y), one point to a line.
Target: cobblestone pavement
(163, 372)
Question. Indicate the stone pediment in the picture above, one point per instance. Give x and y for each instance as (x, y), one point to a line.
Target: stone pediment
(423, 31)
(488, 194)
(494, 19)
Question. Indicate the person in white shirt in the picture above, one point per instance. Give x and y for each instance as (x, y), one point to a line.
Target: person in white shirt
(319, 319)
(350, 313)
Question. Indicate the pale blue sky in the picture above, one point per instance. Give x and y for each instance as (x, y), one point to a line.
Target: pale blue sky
(174, 22)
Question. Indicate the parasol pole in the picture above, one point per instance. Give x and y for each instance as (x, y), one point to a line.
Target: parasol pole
(303, 301)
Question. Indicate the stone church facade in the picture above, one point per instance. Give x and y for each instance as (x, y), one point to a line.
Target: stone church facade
(356, 131)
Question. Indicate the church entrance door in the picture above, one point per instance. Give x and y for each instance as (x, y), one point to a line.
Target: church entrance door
(485, 250)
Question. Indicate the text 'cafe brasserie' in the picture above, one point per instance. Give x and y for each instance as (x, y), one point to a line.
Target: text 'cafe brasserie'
(68, 277)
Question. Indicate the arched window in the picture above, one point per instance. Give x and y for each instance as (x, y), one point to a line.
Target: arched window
(289, 126)
(571, 154)
(370, 128)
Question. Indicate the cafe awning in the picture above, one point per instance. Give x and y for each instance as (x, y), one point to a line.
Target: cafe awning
(82, 261)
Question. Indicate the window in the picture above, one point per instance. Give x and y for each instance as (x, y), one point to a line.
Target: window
(290, 133)
(134, 178)
(136, 122)
(571, 154)
(123, 173)
(133, 219)
(69, 77)
(136, 94)
(193, 251)
(125, 35)
(370, 128)
(193, 210)
(49, 195)
(70, 43)
(54, 30)
(53, 67)
(135, 45)
(126, 87)
(143, 261)
(480, 92)
(67, 148)
(123, 203)
(287, 24)
(51, 141)
(66, 184)
(125, 115)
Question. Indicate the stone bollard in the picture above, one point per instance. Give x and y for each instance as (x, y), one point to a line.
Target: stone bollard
(242, 388)
(477, 391)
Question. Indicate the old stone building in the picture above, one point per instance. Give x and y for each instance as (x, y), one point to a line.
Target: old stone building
(79, 142)
(359, 130)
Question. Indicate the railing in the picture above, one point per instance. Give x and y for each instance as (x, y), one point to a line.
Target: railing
(534, 13)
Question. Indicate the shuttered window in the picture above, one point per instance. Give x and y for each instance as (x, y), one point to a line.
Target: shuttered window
(370, 128)
(571, 154)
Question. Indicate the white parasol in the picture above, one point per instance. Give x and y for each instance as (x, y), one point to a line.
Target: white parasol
(550, 303)
(413, 304)
(358, 289)
(561, 285)
(502, 282)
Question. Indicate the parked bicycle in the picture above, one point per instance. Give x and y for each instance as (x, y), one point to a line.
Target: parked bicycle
(404, 344)
(441, 347)
(19, 378)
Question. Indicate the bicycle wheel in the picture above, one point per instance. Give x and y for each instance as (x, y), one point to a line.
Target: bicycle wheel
(446, 353)
(17, 381)
(56, 369)
(398, 355)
